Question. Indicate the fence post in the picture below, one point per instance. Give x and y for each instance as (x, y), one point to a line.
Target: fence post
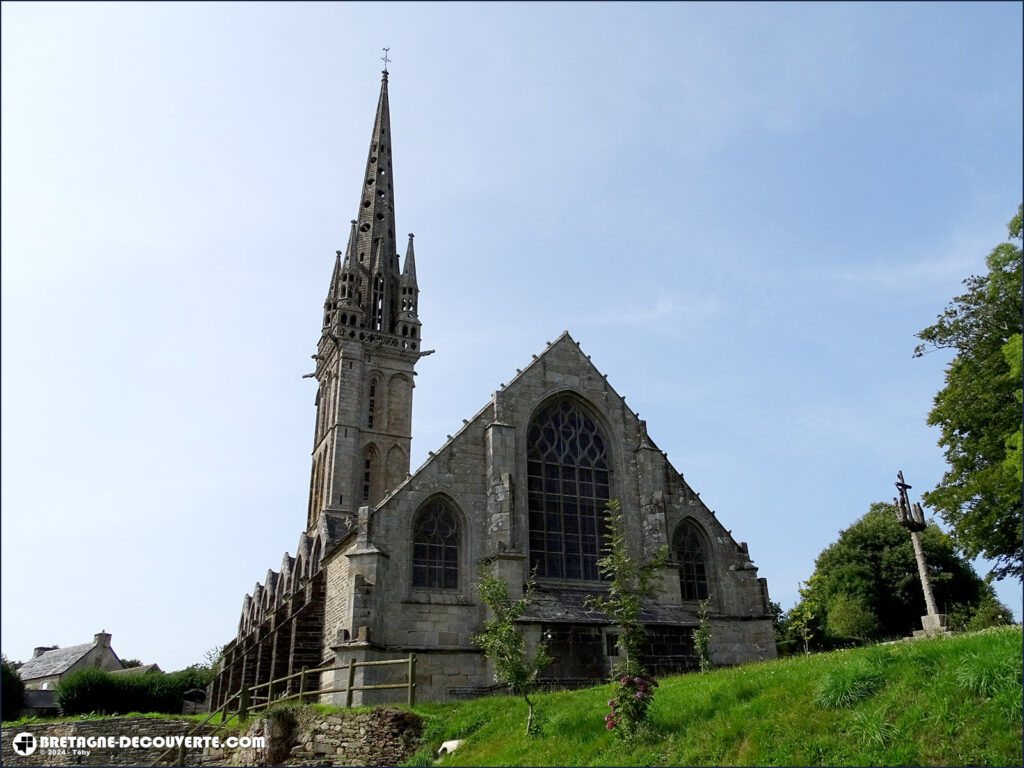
(181, 754)
(270, 693)
(243, 704)
(351, 682)
(302, 686)
(412, 679)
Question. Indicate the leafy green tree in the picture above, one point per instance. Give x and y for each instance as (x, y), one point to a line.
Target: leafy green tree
(130, 663)
(873, 566)
(630, 583)
(988, 613)
(979, 411)
(502, 641)
(12, 690)
(849, 616)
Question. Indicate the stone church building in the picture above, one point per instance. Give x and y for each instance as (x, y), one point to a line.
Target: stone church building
(387, 561)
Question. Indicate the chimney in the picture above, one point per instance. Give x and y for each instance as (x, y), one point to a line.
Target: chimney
(40, 650)
(101, 639)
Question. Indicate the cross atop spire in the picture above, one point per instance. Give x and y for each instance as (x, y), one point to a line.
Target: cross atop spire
(385, 59)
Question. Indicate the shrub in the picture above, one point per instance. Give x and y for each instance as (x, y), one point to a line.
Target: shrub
(12, 690)
(95, 690)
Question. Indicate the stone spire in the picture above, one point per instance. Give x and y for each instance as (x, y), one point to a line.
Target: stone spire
(408, 320)
(375, 247)
(409, 272)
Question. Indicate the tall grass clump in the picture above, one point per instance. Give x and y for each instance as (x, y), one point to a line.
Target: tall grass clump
(986, 676)
(848, 684)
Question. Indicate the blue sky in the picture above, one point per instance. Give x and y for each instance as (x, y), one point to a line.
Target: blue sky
(743, 212)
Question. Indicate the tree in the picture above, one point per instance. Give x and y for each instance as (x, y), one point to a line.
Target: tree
(979, 411)
(502, 642)
(871, 573)
(630, 583)
(849, 616)
(12, 690)
(130, 663)
(804, 619)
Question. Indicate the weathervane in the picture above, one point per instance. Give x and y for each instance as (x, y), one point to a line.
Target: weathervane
(385, 58)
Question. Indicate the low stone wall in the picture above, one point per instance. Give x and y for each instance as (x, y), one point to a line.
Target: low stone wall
(116, 728)
(305, 736)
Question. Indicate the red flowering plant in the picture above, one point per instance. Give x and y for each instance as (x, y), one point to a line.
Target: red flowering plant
(629, 584)
(632, 699)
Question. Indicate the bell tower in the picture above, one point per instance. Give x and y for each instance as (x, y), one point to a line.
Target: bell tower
(368, 349)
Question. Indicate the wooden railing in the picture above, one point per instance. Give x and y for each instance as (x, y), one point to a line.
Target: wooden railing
(257, 701)
(248, 700)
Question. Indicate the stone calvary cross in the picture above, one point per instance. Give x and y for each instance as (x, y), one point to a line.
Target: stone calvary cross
(912, 518)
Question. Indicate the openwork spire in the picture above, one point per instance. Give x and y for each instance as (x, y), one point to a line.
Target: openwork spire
(368, 285)
(375, 247)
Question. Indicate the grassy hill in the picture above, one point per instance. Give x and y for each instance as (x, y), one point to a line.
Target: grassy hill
(944, 701)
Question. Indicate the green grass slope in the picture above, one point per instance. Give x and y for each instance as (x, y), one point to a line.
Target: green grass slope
(945, 701)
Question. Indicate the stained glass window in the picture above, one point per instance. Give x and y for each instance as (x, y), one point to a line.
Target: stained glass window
(435, 547)
(688, 549)
(568, 471)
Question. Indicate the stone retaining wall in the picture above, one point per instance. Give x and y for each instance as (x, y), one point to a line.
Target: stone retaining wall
(305, 736)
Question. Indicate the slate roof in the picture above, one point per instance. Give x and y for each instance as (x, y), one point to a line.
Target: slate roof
(55, 662)
(558, 606)
(339, 526)
(139, 670)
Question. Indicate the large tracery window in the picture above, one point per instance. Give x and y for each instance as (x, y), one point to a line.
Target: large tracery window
(568, 470)
(691, 558)
(435, 547)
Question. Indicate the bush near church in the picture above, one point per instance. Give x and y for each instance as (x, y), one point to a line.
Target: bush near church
(94, 690)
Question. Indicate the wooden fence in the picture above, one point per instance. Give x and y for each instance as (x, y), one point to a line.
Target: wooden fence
(252, 700)
(249, 700)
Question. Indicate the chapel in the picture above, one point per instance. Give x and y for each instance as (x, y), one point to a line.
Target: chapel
(386, 563)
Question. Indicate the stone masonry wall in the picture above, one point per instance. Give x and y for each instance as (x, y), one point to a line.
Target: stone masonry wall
(307, 737)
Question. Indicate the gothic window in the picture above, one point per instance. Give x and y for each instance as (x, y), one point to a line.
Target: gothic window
(435, 547)
(371, 405)
(568, 471)
(691, 558)
(377, 303)
(367, 477)
(314, 558)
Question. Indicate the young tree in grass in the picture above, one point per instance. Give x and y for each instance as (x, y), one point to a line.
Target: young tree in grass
(630, 583)
(804, 617)
(502, 641)
(702, 636)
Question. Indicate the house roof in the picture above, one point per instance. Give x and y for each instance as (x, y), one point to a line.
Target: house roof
(139, 670)
(55, 662)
